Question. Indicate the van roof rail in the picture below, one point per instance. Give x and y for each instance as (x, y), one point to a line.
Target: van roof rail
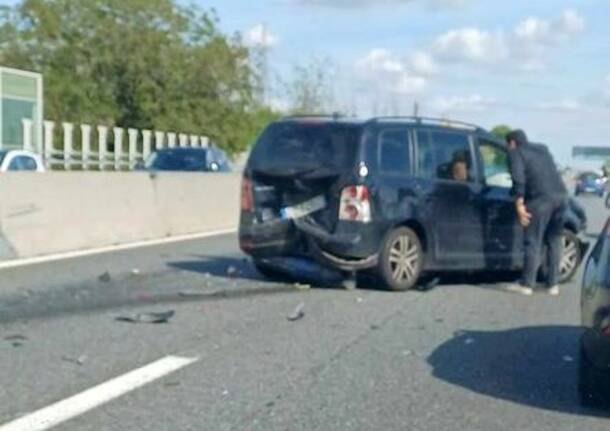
(430, 121)
(334, 115)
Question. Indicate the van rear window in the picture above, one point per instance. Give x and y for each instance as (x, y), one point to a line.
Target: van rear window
(304, 146)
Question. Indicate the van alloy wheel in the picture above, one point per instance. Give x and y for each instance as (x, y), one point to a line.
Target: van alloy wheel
(401, 259)
(570, 258)
(404, 256)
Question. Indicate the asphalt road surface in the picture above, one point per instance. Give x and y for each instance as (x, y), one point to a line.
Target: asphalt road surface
(460, 356)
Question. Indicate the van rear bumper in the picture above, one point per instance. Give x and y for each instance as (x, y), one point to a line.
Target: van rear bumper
(350, 248)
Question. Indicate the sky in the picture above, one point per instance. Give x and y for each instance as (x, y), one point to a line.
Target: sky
(542, 65)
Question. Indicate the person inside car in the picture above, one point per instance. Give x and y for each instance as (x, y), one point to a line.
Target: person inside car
(459, 170)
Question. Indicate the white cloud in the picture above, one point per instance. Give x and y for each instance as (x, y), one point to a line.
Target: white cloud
(259, 36)
(538, 31)
(526, 46)
(606, 87)
(570, 22)
(470, 44)
(423, 64)
(410, 84)
(473, 102)
(449, 3)
(381, 60)
(383, 68)
(533, 30)
(565, 105)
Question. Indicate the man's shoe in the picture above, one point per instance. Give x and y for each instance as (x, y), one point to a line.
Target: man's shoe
(519, 288)
(553, 291)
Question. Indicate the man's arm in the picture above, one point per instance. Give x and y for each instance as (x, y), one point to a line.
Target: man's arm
(517, 169)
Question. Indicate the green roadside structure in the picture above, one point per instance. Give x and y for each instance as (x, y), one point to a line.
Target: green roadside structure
(21, 98)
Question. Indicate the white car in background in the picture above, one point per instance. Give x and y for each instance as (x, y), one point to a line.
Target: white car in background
(19, 161)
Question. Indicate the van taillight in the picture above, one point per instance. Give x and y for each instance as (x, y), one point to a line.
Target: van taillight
(247, 195)
(355, 204)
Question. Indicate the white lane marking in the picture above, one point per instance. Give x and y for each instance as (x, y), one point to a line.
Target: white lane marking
(67, 409)
(109, 249)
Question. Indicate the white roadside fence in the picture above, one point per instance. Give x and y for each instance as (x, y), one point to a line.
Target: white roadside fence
(102, 148)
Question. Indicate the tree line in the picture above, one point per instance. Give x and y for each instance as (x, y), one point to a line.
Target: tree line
(149, 64)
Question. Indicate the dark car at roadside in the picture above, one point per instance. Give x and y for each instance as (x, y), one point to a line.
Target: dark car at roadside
(395, 197)
(594, 383)
(188, 160)
(590, 183)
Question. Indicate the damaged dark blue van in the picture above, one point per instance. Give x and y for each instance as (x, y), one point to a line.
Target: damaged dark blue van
(394, 196)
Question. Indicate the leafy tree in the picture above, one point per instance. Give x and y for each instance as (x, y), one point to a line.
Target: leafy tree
(501, 131)
(310, 90)
(136, 63)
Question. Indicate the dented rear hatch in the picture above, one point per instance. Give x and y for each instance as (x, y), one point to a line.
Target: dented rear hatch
(297, 170)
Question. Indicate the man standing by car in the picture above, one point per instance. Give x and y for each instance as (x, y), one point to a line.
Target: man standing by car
(540, 203)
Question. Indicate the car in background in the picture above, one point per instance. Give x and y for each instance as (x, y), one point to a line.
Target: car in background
(591, 183)
(188, 160)
(20, 161)
(396, 197)
(594, 375)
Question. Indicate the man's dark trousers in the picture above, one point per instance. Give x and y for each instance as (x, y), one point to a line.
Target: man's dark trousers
(544, 232)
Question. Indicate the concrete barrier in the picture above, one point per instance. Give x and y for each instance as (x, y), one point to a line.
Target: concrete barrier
(59, 212)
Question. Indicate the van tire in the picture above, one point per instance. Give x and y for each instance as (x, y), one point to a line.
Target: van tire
(401, 259)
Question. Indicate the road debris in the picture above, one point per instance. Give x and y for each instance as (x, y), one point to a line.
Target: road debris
(191, 294)
(375, 327)
(154, 318)
(144, 296)
(105, 277)
(301, 286)
(359, 299)
(16, 340)
(16, 337)
(232, 271)
(135, 271)
(78, 361)
(350, 282)
(407, 353)
(298, 313)
(429, 285)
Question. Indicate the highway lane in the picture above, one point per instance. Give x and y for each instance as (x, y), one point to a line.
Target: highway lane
(459, 356)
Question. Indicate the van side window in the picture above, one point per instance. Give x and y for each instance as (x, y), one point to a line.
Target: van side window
(394, 152)
(495, 165)
(426, 161)
(445, 156)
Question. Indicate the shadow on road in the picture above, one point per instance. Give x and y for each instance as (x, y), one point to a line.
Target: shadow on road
(219, 266)
(232, 267)
(533, 366)
(227, 267)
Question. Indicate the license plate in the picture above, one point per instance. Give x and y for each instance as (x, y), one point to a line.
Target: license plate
(303, 209)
